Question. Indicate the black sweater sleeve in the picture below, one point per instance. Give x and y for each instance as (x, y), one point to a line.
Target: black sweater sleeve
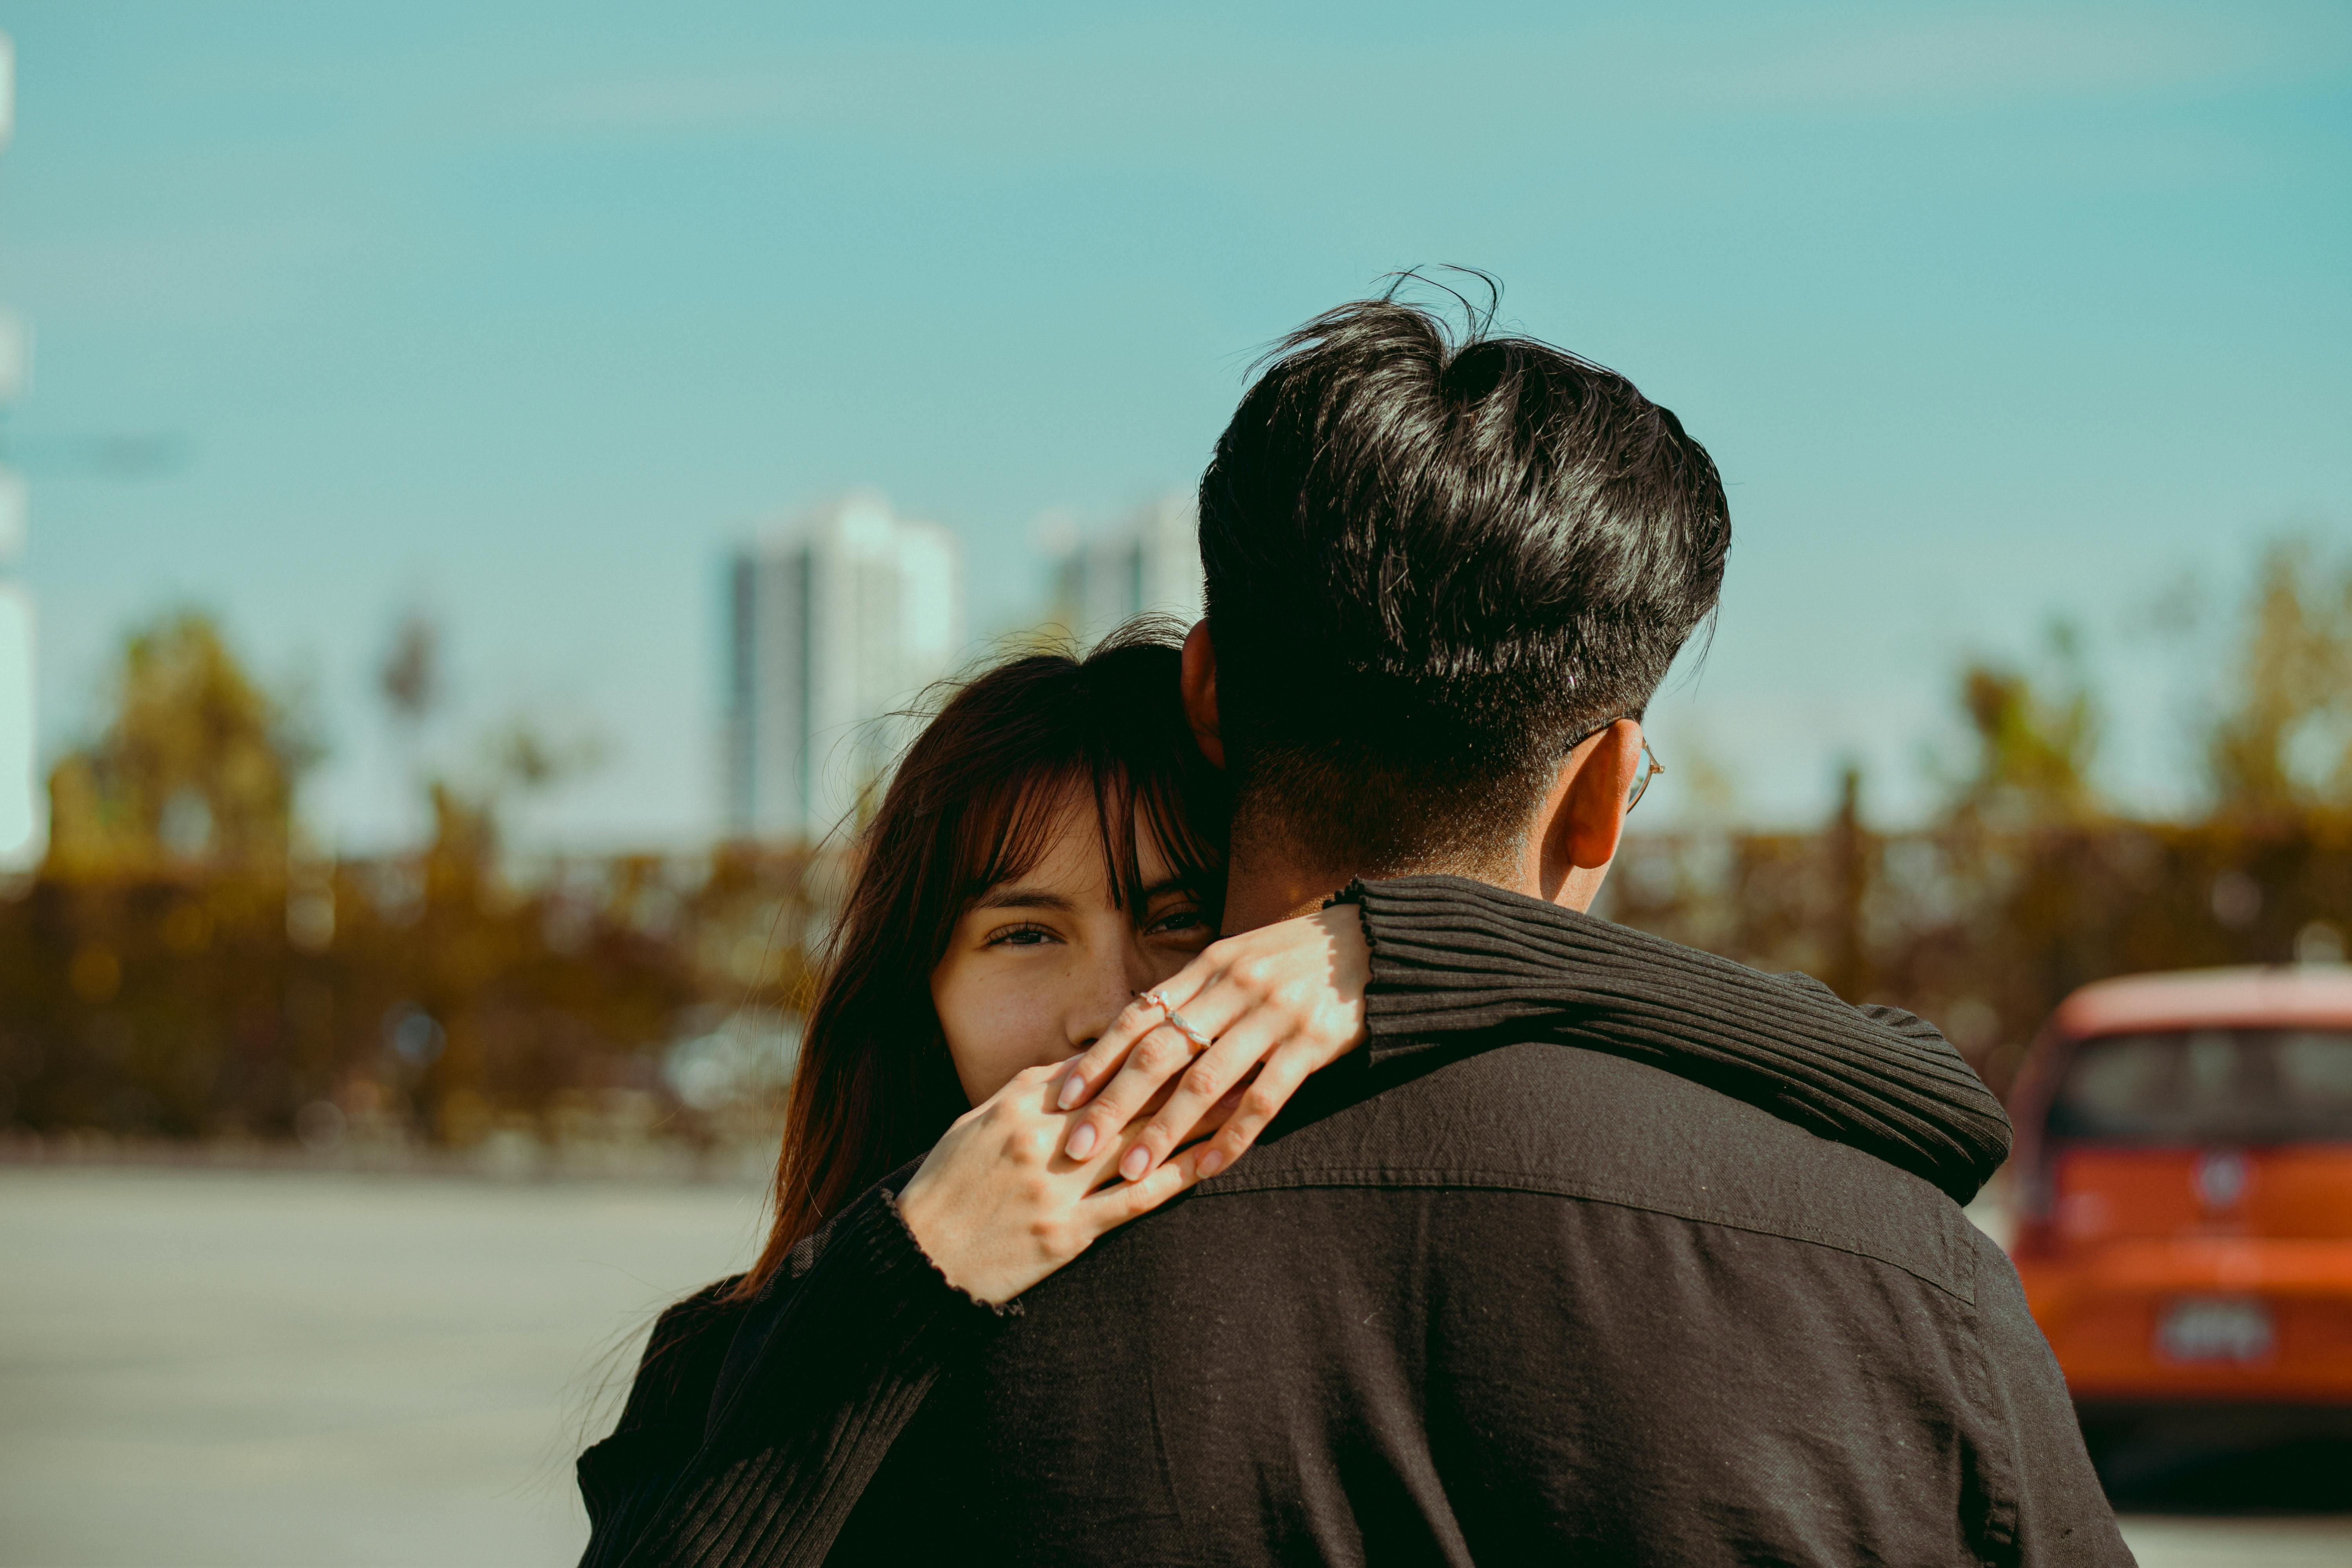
(751, 1431)
(1452, 957)
(624, 1476)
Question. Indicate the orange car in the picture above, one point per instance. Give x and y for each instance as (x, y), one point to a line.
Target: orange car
(2183, 1196)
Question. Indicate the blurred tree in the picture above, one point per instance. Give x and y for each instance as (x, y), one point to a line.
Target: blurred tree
(2283, 742)
(2034, 749)
(198, 766)
(524, 757)
(165, 975)
(410, 678)
(1710, 785)
(411, 682)
(1854, 864)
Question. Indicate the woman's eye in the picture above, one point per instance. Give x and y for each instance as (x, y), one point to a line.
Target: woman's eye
(1177, 922)
(1020, 936)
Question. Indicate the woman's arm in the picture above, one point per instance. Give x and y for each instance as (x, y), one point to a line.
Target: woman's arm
(661, 1426)
(760, 1428)
(1450, 956)
(1424, 962)
(755, 1450)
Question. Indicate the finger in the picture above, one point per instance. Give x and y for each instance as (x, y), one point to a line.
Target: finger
(1086, 1071)
(1155, 1059)
(1278, 1078)
(1082, 1073)
(1117, 1204)
(1101, 1163)
(1161, 1051)
(1244, 1016)
(1213, 1119)
(1164, 1051)
(1214, 1073)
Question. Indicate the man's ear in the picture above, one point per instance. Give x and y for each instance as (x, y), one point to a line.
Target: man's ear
(1583, 815)
(1200, 685)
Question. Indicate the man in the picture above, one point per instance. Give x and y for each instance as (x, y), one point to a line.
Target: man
(1527, 1303)
(1517, 1303)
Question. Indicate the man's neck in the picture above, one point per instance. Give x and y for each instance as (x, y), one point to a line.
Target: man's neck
(1263, 886)
(1260, 895)
(1261, 889)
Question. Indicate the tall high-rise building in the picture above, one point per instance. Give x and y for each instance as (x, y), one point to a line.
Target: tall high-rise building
(1148, 563)
(837, 622)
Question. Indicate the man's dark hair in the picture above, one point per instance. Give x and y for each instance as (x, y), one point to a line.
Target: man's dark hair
(1432, 565)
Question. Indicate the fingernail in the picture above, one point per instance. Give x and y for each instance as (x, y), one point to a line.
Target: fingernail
(1139, 1159)
(1209, 1164)
(1082, 1141)
(1072, 1086)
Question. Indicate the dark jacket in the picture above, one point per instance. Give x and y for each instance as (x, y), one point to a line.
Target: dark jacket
(1473, 1300)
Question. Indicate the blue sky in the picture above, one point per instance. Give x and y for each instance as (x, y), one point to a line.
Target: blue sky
(1989, 313)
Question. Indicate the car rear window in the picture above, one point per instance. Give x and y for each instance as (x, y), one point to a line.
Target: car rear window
(2208, 1086)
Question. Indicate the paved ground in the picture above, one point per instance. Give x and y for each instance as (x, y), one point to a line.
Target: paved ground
(210, 1368)
(206, 1368)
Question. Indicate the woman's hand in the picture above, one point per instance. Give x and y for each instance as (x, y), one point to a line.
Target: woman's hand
(1277, 1003)
(997, 1206)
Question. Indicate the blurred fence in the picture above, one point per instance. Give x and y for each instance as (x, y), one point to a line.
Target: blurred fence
(181, 969)
(411, 1001)
(431, 1001)
(1985, 930)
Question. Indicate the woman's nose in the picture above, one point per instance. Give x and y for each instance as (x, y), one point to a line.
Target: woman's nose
(1110, 988)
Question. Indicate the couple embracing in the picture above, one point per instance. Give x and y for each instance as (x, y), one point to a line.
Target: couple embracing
(1420, 1217)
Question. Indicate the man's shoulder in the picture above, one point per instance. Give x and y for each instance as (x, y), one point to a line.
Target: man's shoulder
(1585, 1125)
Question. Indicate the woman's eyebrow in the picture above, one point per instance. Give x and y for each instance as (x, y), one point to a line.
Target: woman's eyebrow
(1023, 898)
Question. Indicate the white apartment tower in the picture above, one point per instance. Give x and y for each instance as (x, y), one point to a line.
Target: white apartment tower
(837, 621)
(1149, 564)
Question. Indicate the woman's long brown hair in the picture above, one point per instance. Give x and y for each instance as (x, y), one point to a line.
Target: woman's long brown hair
(975, 802)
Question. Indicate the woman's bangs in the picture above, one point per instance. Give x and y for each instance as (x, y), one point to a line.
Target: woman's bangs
(1010, 830)
(1014, 831)
(1160, 804)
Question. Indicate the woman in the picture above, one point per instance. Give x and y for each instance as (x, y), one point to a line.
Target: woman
(1037, 894)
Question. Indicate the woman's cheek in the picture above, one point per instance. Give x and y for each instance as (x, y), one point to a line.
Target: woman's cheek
(989, 1020)
(1163, 959)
